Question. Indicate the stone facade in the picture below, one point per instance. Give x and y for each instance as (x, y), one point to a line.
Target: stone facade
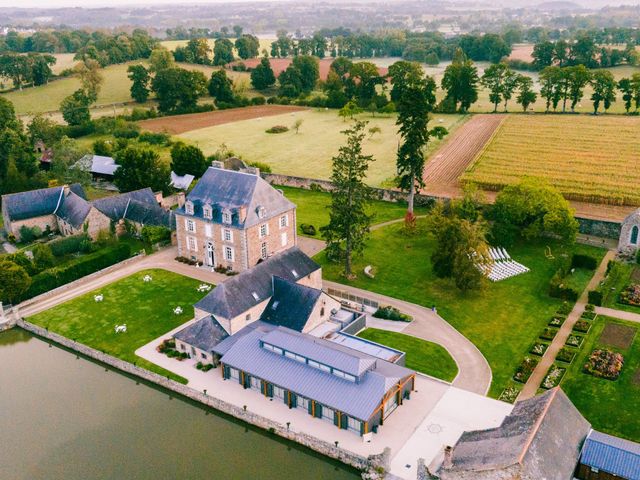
(321, 312)
(599, 228)
(95, 222)
(13, 228)
(195, 352)
(630, 233)
(216, 244)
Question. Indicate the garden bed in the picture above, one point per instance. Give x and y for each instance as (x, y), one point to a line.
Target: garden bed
(549, 333)
(392, 313)
(566, 355)
(510, 394)
(630, 295)
(539, 348)
(582, 326)
(603, 363)
(574, 341)
(525, 369)
(565, 309)
(617, 336)
(553, 377)
(556, 321)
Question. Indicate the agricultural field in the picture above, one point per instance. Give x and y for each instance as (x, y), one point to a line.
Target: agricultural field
(308, 153)
(115, 89)
(590, 159)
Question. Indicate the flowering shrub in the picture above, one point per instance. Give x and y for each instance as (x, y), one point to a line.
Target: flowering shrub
(539, 348)
(604, 364)
(574, 340)
(509, 394)
(554, 375)
(582, 326)
(525, 369)
(631, 295)
(556, 322)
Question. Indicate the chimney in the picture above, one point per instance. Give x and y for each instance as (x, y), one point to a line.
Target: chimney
(181, 199)
(66, 190)
(217, 164)
(251, 171)
(448, 457)
(242, 214)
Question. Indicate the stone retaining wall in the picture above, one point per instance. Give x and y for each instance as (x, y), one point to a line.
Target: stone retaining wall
(599, 228)
(372, 463)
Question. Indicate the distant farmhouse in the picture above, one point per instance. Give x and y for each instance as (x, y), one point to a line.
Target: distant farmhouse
(100, 167)
(234, 220)
(275, 331)
(66, 210)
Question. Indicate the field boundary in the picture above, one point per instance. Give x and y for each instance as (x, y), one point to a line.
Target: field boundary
(473, 162)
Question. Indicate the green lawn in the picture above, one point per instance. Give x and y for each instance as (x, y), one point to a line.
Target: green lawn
(313, 208)
(502, 321)
(610, 406)
(146, 309)
(615, 284)
(425, 357)
(309, 152)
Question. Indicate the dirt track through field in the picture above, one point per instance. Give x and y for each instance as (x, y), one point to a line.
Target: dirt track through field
(184, 123)
(451, 160)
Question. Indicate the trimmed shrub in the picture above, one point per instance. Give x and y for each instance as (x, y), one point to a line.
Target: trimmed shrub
(574, 341)
(539, 348)
(277, 129)
(260, 100)
(155, 234)
(68, 245)
(154, 138)
(86, 265)
(129, 130)
(308, 229)
(525, 369)
(595, 297)
(558, 289)
(566, 355)
(556, 321)
(584, 261)
(548, 333)
(392, 313)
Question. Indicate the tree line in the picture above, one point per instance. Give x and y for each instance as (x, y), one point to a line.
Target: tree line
(30, 69)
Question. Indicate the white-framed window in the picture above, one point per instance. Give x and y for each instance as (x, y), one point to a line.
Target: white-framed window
(264, 252)
(264, 230)
(303, 403)
(208, 231)
(327, 413)
(192, 244)
(227, 235)
(226, 217)
(283, 238)
(191, 226)
(353, 424)
(188, 207)
(233, 373)
(229, 254)
(278, 392)
(262, 212)
(207, 212)
(284, 221)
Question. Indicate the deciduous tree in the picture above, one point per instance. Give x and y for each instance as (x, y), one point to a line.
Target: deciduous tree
(140, 168)
(460, 81)
(221, 87)
(604, 90)
(140, 79)
(14, 281)
(188, 159)
(262, 76)
(222, 51)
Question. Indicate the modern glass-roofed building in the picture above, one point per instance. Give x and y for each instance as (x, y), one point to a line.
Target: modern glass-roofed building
(350, 388)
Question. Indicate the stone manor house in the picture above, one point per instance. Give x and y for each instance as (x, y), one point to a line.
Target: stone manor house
(234, 220)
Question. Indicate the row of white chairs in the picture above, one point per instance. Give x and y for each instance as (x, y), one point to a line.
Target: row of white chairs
(508, 269)
(499, 253)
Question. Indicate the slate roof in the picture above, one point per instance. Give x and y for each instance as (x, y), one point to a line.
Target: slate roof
(236, 295)
(227, 189)
(36, 203)
(115, 207)
(204, 334)
(541, 438)
(181, 182)
(97, 164)
(612, 455)
(73, 209)
(356, 399)
(291, 304)
(146, 214)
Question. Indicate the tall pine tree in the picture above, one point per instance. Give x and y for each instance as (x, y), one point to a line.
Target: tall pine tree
(349, 222)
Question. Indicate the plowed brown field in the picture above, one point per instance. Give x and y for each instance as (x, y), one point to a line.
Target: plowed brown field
(193, 121)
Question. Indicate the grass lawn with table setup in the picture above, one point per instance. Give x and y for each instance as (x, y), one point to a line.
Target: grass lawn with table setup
(145, 307)
(503, 321)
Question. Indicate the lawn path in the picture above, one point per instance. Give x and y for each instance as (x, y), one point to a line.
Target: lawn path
(620, 314)
(536, 378)
(474, 373)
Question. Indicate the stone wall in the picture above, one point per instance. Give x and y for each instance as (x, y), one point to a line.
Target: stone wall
(383, 194)
(374, 462)
(599, 228)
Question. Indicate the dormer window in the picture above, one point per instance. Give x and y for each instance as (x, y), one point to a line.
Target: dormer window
(207, 212)
(262, 212)
(188, 207)
(226, 217)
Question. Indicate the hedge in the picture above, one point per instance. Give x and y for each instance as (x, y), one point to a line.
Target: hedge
(86, 265)
(584, 261)
(595, 297)
(557, 288)
(68, 245)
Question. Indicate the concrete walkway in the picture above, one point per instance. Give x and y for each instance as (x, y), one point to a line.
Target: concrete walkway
(474, 373)
(620, 314)
(536, 378)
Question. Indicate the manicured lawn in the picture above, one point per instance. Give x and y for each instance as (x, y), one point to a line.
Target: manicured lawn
(146, 309)
(425, 357)
(313, 208)
(309, 152)
(579, 278)
(503, 321)
(611, 406)
(615, 284)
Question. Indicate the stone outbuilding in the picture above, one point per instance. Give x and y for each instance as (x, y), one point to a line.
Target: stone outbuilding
(630, 232)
